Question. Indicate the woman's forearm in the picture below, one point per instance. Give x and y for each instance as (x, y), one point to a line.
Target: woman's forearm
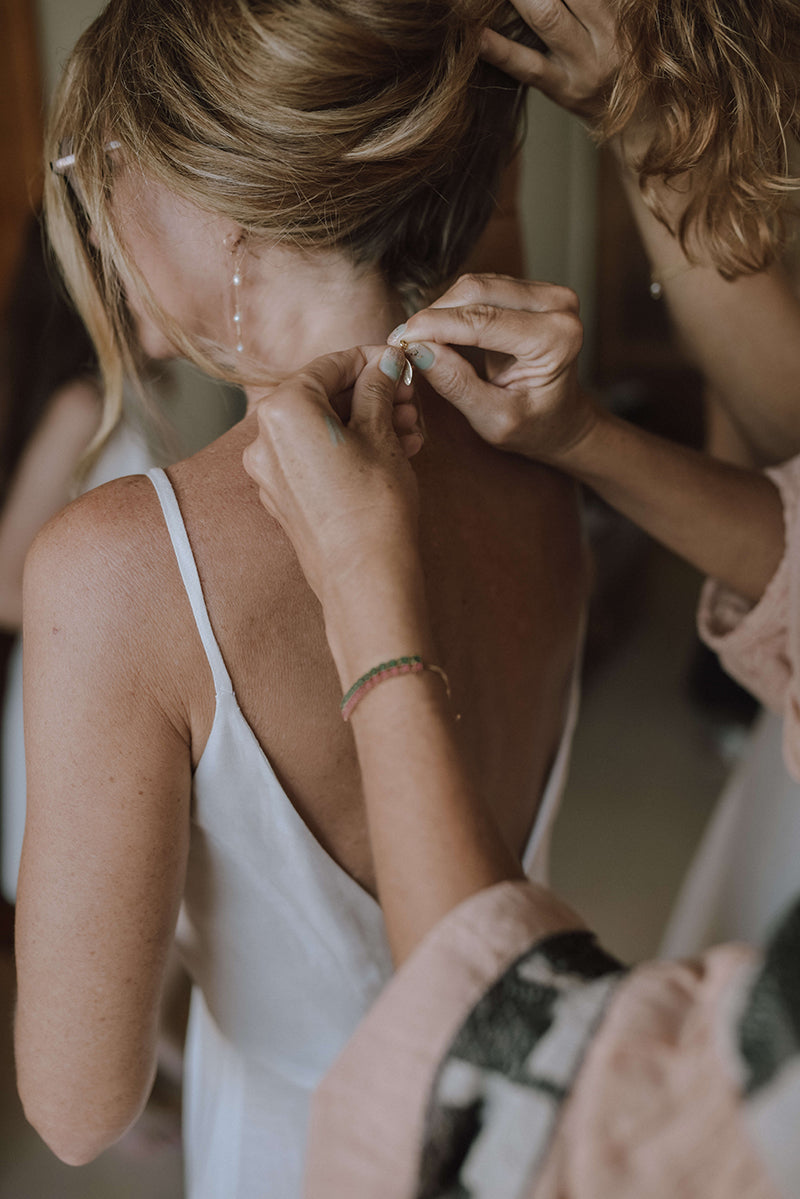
(726, 521)
(744, 336)
(433, 840)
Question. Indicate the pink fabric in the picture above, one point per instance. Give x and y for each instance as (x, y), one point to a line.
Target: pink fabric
(367, 1114)
(759, 645)
(656, 1111)
(655, 1108)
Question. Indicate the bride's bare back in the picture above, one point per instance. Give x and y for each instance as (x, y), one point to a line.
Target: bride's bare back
(505, 580)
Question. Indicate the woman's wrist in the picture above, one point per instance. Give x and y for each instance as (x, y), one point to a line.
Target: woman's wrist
(376, 614)
(587, 456)
(573, 442)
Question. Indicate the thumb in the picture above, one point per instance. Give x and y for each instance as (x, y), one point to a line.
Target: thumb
(454, 378)
(375, 390)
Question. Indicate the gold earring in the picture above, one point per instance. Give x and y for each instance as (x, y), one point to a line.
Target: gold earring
(408, 370)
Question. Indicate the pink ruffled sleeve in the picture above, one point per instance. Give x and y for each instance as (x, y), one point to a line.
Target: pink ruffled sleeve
(511, 1056)
(369, 1113)
(759, 645)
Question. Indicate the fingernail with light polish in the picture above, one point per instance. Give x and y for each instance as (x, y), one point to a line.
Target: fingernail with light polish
(392, 364)
(396, 335)
(421, 356)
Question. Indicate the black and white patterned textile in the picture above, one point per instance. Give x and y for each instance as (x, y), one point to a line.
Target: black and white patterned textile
(498, 1093)
(766, 1035)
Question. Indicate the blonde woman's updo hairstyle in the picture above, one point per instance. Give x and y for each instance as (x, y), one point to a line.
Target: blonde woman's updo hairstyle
(718, 82)
(359, 125)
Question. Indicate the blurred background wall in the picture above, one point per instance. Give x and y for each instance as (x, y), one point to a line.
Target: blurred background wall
(60, 24)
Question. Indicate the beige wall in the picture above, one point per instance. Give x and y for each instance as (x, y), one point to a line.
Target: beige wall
(559, 204)
(61, 23)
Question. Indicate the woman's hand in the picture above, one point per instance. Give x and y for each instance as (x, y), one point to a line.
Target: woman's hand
(343, 491)
(581, 57)
(530, 402)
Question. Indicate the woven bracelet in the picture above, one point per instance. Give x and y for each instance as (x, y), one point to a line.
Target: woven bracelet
(411, 664)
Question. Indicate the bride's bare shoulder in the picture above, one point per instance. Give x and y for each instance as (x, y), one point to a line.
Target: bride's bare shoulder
(106, 528)
(103, 561)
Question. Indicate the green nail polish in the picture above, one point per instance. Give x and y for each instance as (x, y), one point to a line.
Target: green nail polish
(391, 364)
(421, 356)
(395, 335)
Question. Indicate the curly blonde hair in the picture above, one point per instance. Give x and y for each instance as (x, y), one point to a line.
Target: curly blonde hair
(716, 82)
(349, 124)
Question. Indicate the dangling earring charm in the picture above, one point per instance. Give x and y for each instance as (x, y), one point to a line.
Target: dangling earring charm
(238, 249)
(237, 306)
(408, 370)
(237, 311)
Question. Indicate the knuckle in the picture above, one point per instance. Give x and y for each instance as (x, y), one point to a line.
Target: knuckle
(546, 17)
(573, 332)
(263, 413)
(275, 413)
(556, 297)
(255, 460)
(501, 53)
(505, 425)
(470, 287)
(480, 315)
(449, 378)
(569, 300)
(305, 380)
(566, 333)
(378, 391)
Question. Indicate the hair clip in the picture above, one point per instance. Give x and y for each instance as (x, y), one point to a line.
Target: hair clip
(66, 162)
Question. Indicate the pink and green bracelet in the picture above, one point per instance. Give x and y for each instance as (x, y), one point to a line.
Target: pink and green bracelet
(411, 664)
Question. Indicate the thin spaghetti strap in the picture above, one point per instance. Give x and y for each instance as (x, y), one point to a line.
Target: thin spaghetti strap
(557, 778)
(191, 579)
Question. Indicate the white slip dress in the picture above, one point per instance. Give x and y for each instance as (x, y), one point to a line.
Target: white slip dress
(286, 951)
